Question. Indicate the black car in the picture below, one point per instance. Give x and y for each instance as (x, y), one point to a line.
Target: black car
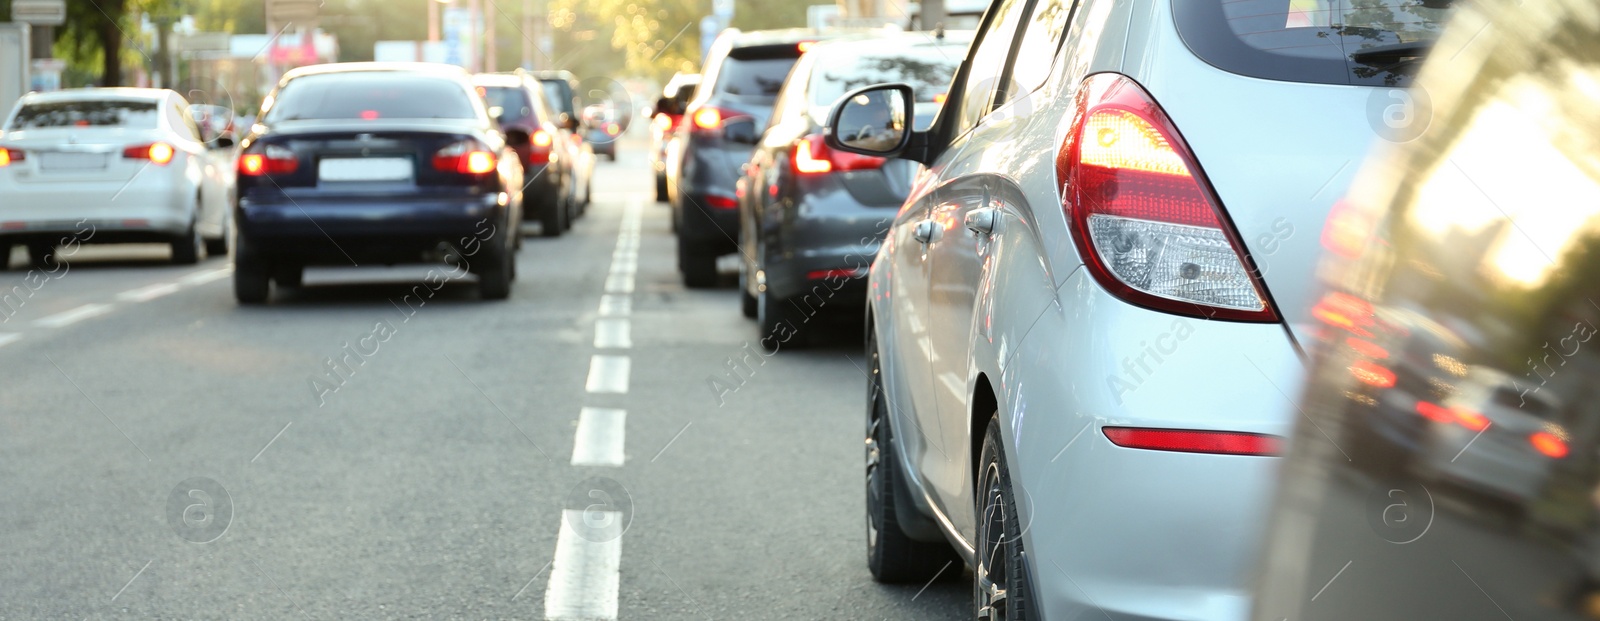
(741, 80)
(518, 101)
(810, 213)
(376, 163)
(1445, 463)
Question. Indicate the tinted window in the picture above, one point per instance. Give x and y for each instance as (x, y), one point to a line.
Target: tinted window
(988, 61)
(759, 78)
(928, 71)
(512, 100)
(1377, 42)
(560, 95)
(928, 74)
(133, 114)
(372, 95)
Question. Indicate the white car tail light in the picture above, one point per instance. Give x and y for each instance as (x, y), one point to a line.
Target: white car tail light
(159, 153)
(10, 156)
(1145, 219)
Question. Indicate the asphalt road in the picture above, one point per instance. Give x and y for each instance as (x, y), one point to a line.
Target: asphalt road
(166, 453)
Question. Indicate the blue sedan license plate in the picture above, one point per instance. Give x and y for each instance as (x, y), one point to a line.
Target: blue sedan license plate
(365, 169)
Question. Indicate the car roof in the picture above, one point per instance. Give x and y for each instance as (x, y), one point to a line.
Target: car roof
(497, 79)
(895, 41)
(99, 94)
(740, 38)
(426, 68)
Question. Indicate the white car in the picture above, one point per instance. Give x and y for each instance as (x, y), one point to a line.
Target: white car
(114, 165)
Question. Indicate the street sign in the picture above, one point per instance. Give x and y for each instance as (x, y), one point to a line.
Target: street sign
(39, 12)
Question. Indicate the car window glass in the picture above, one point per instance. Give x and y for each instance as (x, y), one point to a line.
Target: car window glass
(756, 78)
(927, 69)
(372, 95)
(988, 61)
(132, 114)
(512, 100)
(1041, 36)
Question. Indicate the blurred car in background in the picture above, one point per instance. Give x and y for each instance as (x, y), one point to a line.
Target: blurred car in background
(518, 102)
(742, 75)
(124, 164)
(664, 125)
(213, 121)
(377, 163)
(561, 92)
(811, 213)
(1477, 225)
(1077, 351)
(602, 129)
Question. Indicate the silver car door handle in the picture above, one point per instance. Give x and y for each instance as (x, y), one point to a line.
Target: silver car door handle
(981, 221)
(924, 231)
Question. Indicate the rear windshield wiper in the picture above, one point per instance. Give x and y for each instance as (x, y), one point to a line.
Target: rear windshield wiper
(1393, 53)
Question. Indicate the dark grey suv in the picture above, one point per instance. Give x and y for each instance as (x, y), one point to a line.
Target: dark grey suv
(743, 74)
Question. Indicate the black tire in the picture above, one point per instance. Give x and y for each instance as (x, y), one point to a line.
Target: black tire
(5, 256)
(611, 157)
(288, 275)
(251, 279)
(39, 254)
(217, 247)
(661, 188)
(1001, 562)
(188, 248)
(780, 322)
(553, 219)
(494, 279)
(748, 304)
(893, 557)
(699, 268)
(571, 206)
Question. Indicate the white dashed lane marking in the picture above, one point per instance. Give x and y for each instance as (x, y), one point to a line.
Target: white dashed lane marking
(600, 437)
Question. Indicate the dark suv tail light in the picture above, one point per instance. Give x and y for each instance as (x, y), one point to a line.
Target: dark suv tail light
(270, 160)
(813, 157)
(1145, 219)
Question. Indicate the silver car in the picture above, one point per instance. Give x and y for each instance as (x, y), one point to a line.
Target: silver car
(1078, 357)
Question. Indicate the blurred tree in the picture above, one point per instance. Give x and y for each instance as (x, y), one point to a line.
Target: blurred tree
(96, 33)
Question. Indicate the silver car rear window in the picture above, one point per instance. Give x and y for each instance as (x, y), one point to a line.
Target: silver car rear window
(1370, 42)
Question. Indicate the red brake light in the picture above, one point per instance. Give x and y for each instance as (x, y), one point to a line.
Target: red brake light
(1145, 220)
(159, 153)
(806, 163)
(541, 138)
(1475, 421)
(1367, 348)
(707, 118)
(369, 115)
(1194, 441)
(272, 160)
(813, 157)
(1372, 374)
(1434, 412)
(1549, 444)
(467, 157)
(804, 46)
(722, 202)
(8, 156)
